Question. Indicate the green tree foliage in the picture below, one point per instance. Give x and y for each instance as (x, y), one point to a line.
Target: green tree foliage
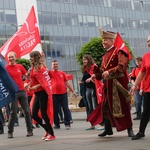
(24, 62)
(95, 49)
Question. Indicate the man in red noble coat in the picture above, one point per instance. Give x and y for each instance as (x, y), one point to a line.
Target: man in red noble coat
(115, 107)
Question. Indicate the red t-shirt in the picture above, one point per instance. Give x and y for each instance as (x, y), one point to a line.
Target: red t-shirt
(58, 79)
(135, 73)
(146, 68)
(34, 81)
(16, 72)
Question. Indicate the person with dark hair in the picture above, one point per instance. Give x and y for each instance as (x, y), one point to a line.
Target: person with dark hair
(115, 108)
(90, 91)
(41, 84)
(59, 93)
(138, 96)
(143, 76)
(16, 71)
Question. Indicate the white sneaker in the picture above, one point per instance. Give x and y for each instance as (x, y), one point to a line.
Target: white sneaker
(67, 127)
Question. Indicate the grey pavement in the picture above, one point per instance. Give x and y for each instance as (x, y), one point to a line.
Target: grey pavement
(77, 138)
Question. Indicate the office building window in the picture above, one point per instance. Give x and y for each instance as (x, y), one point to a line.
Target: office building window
(66, 19)
(96, 21)
(74, 19)
(120, 4)
(99, 2)
(146, 6)
(90, 21)
(43, 6)
(1, 15)
(59, 18)
(114, 22)
(83, 2)
(80, 20)
(10, 16)
(100, 21)
(137, 5)
(146, 24)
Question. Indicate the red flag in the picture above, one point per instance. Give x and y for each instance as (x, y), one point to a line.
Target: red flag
(121, 45)
(25, 39)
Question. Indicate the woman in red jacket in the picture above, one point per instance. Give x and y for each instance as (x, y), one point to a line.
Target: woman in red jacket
(41, 84)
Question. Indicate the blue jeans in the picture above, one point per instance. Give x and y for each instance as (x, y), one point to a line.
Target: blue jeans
(20, 96)
(61, 100)
(138, 103)
(61, 116)
(91, 99)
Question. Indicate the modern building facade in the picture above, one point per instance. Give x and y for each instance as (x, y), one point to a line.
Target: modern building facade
(65, 25)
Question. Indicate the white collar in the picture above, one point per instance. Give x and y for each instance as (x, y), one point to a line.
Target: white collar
(110, 48)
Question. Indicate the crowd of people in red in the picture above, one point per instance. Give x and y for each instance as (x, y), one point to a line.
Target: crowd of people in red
(106, 92)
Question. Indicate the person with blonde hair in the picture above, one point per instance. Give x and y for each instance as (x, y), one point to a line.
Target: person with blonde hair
(41, 84)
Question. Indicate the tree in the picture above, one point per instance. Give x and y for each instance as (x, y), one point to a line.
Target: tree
(94, 48)
(24, 62)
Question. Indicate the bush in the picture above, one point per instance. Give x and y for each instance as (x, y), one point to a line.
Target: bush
(24, 62)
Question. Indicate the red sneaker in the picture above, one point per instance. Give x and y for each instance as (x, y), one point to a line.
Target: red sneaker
(45, 136)
(50, 138)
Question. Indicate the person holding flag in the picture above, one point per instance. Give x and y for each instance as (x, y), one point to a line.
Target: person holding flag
(115, 107)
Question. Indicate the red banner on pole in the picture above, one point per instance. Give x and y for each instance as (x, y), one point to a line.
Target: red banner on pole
(121, 45)
(25, 39)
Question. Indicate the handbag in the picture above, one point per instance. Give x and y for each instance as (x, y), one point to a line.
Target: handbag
(81, 103)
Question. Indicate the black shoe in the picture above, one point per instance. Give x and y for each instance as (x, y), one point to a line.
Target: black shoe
(56, 127)
(130, 133)
(1, 131)
(136, 118)
(33, 127)
(135, 112)
(138, 136)
(29, 133)
(106, 133)
(10, 135)
(37, 126)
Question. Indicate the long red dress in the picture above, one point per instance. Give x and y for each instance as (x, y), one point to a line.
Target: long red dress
(118, 107)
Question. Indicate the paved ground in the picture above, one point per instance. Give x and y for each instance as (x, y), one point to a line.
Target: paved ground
(75, 139)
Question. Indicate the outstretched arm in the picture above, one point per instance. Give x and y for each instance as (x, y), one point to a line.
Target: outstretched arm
(71, 88)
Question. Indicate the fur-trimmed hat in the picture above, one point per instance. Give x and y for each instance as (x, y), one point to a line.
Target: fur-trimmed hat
(107, 34)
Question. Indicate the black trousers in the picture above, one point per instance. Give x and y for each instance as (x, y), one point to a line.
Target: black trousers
(146, 113)
(40, 102)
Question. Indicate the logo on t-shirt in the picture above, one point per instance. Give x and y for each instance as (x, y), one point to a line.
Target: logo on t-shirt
(18, 70)
(61, 75)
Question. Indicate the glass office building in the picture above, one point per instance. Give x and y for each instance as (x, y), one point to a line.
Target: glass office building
(65, 25)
